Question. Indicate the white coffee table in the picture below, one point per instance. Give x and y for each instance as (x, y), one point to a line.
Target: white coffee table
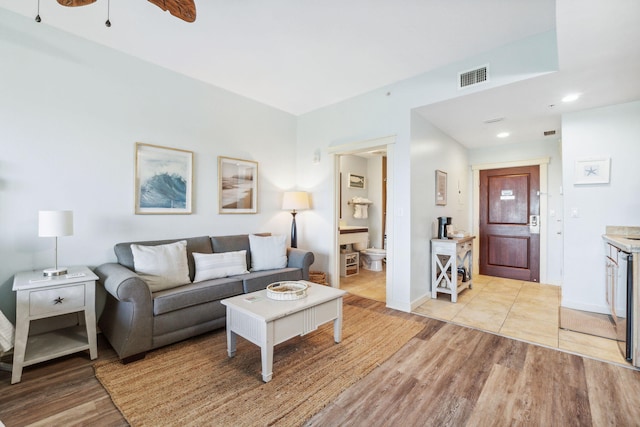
(266, 322)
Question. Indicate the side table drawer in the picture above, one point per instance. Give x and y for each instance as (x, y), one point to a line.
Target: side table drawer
(58, 300)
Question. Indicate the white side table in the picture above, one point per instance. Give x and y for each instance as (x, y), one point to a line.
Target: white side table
(39, 297)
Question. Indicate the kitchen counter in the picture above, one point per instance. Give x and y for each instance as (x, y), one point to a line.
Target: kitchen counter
(625, 238)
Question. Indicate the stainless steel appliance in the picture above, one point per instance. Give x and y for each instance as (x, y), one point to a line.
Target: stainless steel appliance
(619, 292)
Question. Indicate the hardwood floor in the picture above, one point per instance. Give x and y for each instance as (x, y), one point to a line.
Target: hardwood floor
(446, 375)
(61, 392)
(517, 309)
(513, 308)
(450, 375)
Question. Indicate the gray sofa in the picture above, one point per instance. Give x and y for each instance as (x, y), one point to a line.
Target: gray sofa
(135, 320)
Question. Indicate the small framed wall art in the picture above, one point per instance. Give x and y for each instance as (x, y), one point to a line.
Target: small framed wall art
(163, 180)
(356, 181)
(441, 188)
(237, 186)
(592, 171)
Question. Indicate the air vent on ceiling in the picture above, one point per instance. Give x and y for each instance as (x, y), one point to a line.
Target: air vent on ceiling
(473, 77)
(549, 132)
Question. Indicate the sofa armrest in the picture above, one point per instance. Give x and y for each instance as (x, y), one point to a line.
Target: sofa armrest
(299, 258)
(123, 284)
(127, 319)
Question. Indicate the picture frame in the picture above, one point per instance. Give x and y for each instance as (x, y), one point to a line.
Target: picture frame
(237, 186)
(163, 180)
(441, 188)
(356, 181)
(595, 170)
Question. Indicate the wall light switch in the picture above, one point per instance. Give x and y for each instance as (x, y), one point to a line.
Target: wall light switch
(574, 213)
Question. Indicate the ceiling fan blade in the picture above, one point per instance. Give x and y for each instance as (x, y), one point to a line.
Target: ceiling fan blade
(183, 9)
(74, 3)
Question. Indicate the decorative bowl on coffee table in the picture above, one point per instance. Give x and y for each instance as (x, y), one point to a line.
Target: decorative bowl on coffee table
(287, 290)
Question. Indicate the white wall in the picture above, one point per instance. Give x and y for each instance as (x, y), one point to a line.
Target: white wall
(371, 169)
(356, 165)
(433, 150)
(387, 111)
(610, 132)
(550, 148)
(376, 209)
(70, 114)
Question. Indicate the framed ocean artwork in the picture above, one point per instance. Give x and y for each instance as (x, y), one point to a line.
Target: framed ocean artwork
(163, 180)
(237, 186)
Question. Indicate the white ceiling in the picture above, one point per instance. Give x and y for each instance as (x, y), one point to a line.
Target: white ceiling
(300, 55)
(599, 55)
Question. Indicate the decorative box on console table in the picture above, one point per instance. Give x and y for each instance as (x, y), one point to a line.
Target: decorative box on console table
(451, 266)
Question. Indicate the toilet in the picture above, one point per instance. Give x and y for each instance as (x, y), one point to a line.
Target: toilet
(371, 257)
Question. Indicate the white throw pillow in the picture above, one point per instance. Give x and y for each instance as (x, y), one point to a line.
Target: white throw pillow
(268, 252)
(162, 266)
(223, 264)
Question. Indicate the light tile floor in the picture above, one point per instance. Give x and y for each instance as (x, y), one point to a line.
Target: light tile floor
(366, 284)
(522, 310)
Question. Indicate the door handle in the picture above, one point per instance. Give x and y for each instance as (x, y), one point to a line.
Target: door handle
(534, 224)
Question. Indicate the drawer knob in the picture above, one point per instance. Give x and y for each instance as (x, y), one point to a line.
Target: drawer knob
(58, 300)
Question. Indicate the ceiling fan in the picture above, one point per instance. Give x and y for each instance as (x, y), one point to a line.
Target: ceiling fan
(183, 9)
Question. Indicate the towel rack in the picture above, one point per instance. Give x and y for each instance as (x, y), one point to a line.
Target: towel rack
(359, 203)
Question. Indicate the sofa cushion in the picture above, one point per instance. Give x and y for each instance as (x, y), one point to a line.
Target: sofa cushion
(195, 294)
(162, 266)
(234, 243)
(214, 266)
(268, 252)
(259, 280)
(194, 244)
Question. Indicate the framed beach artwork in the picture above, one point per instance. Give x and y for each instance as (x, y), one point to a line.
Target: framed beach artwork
(592, 171)
(163, 180)
(356, 181)
(238, 186)
(441, 188)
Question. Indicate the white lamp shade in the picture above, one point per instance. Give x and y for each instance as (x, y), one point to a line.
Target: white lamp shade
(55, 223)
(295, 200)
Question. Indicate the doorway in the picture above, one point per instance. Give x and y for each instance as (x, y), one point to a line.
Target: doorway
(362, 223)
(380, 144)
(543, 165)
(510, 223)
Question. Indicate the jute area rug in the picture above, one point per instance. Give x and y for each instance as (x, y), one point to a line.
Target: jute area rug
(586, 322)
(195, 383)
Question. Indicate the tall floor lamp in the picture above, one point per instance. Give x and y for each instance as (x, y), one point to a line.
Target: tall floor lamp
(55, 224)
(295, 200)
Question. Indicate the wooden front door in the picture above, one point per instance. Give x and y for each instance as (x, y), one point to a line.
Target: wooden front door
(509, 212)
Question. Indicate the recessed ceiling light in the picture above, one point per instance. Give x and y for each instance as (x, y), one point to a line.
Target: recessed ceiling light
(571, 97)
(503, 134)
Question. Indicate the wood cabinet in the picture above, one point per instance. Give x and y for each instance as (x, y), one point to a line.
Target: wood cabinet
(451, 266)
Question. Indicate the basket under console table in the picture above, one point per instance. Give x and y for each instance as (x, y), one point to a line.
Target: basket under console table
(451, 266)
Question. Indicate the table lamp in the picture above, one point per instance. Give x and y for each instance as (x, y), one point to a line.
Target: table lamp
(293, 200)
(55, 224)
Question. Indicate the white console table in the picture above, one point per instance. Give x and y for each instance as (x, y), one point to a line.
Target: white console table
(447, 257)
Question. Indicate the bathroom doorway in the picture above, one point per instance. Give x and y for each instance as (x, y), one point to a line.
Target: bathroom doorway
(363, 223)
